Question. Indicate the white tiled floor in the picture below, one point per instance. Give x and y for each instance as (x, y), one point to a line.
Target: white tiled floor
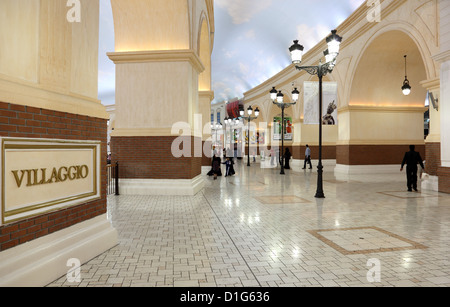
(228, 236)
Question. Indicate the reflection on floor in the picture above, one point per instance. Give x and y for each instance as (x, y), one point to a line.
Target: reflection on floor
(259, 228)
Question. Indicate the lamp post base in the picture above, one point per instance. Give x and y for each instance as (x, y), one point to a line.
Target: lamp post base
(319, 191)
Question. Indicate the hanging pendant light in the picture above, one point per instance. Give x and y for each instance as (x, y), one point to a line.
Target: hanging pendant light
(406, 88)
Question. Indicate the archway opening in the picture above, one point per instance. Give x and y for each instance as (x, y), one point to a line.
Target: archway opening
(381, 121)
(381, 72)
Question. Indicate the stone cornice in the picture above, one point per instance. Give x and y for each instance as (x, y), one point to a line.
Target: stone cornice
(367, 108)
(442, 57)
(187, 55)
(206, 94)
(30, 94)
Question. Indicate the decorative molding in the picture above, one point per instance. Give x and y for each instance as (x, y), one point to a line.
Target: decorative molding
(367, 108)
(123, 132)
(442, 57)
(30, 94)
(432, 84)
(380, 142)
(187, 55)
(206, 94)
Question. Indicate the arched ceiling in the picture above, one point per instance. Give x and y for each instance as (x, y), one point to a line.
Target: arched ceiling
(251, 40)
(381, 72)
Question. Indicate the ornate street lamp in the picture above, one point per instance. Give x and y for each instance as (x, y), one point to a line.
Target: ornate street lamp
(216, 127)
(249, 118)
(321, 70)
(278, 99)
(231, 122)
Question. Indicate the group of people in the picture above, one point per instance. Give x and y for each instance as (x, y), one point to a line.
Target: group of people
(411, 159)
(216, 169)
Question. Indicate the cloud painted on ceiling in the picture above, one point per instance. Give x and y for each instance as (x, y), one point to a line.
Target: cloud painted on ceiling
(251, 40)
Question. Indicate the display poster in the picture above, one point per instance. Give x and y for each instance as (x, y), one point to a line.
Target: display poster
(288, 128)
(311, 103)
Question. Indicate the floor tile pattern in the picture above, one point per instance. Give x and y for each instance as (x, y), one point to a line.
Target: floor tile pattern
(364, 240)
(228, 235)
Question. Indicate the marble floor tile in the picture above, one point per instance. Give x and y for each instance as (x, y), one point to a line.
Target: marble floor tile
(259, 228)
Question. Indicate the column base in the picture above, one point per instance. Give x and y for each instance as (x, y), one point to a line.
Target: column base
(42, 261)
(429, 182)
(444, 179)
(177, 187)
(344, 172)
(328, 165)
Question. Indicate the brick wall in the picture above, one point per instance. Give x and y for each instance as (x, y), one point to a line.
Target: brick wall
(373, 154)
(433, 158)
(328, 152)
(29, 122)
(444, 179)
(152, 158)
(206, 160)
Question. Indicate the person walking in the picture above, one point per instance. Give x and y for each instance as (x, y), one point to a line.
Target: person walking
(272, 157)
(216, 167)
(307, 157)
(229, 167)
(411, 159)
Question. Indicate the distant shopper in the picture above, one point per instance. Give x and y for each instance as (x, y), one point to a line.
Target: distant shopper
(307, 158)
(216, 171)
(411, 159)
(229, 167)
(287, 157)
(272, 156)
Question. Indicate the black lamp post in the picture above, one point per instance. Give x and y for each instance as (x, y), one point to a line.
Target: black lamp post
(230, 122)
(278, 100)
(321, 70)
(216, 127)
(249, 118)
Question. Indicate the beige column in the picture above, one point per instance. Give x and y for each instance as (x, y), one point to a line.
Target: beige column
(443, 59)
(48, 97)
(205, 98)
(433, 140)
(157, 103)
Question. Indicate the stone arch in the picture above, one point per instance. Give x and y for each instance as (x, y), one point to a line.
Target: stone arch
(376, 117)
(204, 52)
(392, 42)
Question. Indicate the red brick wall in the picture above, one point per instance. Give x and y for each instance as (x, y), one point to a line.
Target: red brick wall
(433, 158)
(29, 122)
(328, 152)
(444, 179)
(206, 160)
(373, 154)
(152, 158)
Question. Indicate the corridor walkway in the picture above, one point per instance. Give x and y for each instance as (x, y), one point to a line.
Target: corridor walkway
(261, 229)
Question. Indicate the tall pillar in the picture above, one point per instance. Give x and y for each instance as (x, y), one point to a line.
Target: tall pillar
(433, 140)
(53, 133)
(205, 98)
(444, 100)
(162, 48)
(156, 96)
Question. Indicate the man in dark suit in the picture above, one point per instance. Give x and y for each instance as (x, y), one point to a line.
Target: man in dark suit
(411, 159)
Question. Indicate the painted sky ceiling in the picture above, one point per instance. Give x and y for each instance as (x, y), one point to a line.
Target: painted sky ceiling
(251, 40)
